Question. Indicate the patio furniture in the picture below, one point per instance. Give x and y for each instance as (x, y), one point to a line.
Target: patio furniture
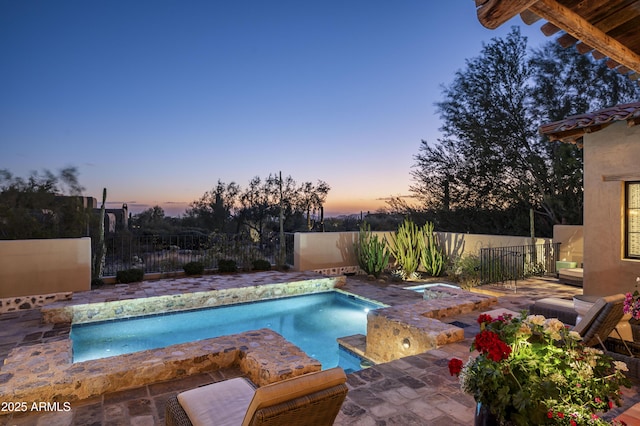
(310, 399)
(554, 307)
(571, 276)
(601, 320)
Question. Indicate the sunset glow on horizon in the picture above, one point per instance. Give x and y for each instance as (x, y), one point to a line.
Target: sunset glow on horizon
(158, 100)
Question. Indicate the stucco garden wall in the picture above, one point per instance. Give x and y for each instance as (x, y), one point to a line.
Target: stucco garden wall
(571, 239)
(37, 267)
(334, 251)
(611, 157)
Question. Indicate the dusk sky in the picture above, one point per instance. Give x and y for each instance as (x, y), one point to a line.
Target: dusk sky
(158, 100)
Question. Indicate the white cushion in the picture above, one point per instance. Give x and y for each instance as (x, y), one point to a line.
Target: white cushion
(572, 272)
(222, 403)
(555, 301)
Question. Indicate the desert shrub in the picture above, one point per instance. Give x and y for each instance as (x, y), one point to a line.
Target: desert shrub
(129, 275)
(227, 265)
(465, 271)
(261, 265)
(193, 268)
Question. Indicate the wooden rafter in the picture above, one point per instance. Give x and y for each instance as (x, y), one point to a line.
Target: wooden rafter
(579, 28)
(493, 13)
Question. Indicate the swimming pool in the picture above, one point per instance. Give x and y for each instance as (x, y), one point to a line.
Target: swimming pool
(311, 322)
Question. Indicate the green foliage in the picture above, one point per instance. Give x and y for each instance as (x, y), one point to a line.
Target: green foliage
(371, 251)
(42, 206)
(431, 257)
(466, 271)
(261, 265)
(534, 370)
(491, 165)
(193, 268)
(406, 247)
(227, 265)
(129, 275)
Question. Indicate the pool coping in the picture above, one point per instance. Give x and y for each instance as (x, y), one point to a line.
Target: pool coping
(46, 372)
(78, 312)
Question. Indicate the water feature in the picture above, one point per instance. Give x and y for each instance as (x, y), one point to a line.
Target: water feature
(312, 322)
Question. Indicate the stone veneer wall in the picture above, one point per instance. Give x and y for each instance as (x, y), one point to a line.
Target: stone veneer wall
(402, 330)
(92, 312)
(12, 304)
(45, 372)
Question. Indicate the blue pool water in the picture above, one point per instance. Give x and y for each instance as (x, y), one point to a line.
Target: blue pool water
(312, 322)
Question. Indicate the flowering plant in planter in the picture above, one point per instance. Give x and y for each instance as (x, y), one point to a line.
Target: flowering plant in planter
(632, 302)
(533, 370)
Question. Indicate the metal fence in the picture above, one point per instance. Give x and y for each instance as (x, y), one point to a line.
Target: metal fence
(167, 254)
(504, 264)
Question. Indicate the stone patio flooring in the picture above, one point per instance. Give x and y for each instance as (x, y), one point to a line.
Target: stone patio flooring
(415, 390)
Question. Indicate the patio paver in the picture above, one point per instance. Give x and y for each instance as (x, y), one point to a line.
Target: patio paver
(415, 390)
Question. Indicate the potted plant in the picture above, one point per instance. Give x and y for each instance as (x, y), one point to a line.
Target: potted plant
(533, 370)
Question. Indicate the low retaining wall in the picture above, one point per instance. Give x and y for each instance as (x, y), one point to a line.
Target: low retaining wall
(77, 312)
(45, 372)
(12, 304)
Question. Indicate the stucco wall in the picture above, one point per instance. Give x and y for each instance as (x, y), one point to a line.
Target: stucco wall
(32, 267)
(571, 239)
(332, 250)
(611, 156)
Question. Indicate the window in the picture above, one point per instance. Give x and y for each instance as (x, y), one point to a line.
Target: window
(632, 220)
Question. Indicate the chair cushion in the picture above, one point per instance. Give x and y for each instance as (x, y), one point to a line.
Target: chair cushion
(221, 403)
(276, 393)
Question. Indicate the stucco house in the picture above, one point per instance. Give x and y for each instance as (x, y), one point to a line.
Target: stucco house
(610, 139)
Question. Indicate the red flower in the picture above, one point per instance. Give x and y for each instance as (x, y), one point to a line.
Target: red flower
(610, 404)
(573, 423)
(455, 366)
(561, 415)
(489, 343)
(550, 414)
(484, 318)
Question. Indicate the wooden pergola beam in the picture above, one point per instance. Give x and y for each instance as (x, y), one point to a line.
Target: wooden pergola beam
(579, 28)
(493, 13)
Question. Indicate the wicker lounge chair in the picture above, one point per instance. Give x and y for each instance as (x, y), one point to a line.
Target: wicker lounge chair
(601, 320)
(310, 399)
